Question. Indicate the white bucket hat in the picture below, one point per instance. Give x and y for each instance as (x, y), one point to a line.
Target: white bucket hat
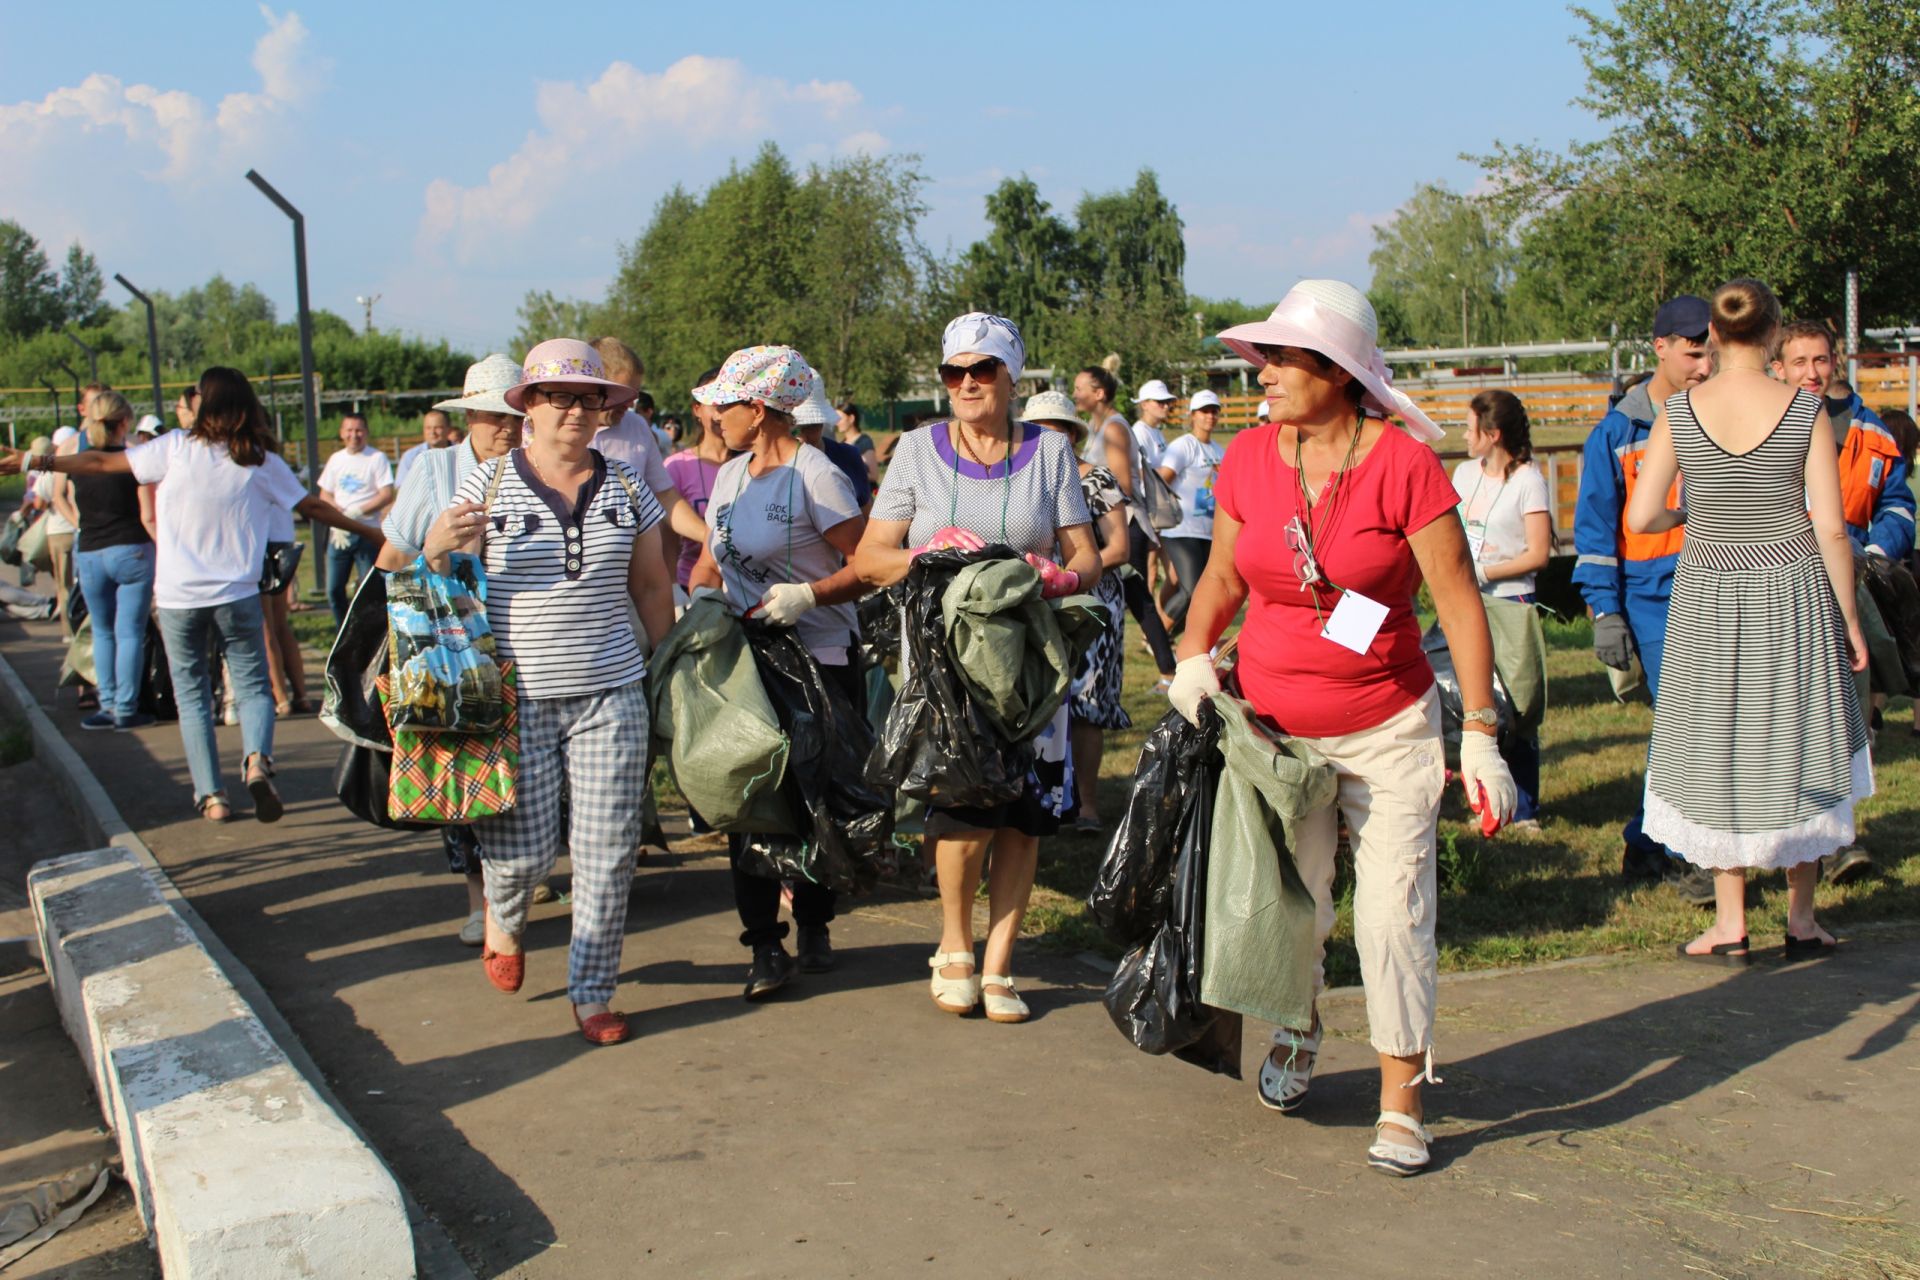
(486, 386)
(1155, 390)
(1336, 320)
(814, 411)
(1203, 400)
(1051, 406)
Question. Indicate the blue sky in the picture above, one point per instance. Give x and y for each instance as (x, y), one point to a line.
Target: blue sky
(451, 157)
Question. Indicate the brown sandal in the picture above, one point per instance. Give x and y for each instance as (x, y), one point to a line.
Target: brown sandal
(266, 801)
(209, 802)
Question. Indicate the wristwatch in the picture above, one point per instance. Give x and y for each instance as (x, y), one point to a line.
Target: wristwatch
(1485, 715)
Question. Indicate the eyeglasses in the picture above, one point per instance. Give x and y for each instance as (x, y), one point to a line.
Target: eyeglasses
(569, 399)
(1300, 542)
(984, 372)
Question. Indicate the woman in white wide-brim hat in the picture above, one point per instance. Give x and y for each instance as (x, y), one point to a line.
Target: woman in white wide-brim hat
(1326, 521)
(492, 429)
(568, 537)
(984, 477)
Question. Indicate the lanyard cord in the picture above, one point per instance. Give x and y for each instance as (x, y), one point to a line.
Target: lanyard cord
(746, 478)
(1006, 497)
(1327, 497)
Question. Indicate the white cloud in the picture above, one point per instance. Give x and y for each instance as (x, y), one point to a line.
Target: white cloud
(864, 143)
(603, 127)
(164, 134)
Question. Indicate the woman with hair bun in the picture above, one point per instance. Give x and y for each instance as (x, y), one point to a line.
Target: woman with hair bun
(1759, 749)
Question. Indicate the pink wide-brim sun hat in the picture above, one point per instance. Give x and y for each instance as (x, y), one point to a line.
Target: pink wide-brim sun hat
(1336, 320)
(567, 362)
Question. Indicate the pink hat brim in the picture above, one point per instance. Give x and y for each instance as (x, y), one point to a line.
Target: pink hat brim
(1245, 339)
(619, 394)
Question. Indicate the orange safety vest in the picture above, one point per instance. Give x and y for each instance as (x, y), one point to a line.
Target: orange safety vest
(1645, 546)
(1866, 460)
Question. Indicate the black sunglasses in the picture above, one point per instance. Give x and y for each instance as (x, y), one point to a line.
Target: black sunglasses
(983, 371)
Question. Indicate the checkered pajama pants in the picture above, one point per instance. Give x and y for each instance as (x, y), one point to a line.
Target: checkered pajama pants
(592, 749)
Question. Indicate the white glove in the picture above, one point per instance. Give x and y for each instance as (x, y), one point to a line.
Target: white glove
(1193, 683)
(784, 602)
(340, 539)
(1481, 767)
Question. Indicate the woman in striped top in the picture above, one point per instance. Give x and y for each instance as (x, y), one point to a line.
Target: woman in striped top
(1759, 750)
(568, 538)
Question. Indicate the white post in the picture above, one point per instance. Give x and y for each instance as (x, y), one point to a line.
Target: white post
(1853, 330)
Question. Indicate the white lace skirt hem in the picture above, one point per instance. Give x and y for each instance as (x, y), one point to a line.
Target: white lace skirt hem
(1815, 837)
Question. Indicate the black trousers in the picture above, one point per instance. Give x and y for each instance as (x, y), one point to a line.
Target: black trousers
(1139, 597)
(758, 899)
(1189, 559)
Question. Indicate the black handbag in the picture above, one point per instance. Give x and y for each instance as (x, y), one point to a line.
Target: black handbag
(283, 561)
(360, 779)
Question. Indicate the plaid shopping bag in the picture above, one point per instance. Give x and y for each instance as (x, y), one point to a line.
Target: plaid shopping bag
(456, 777)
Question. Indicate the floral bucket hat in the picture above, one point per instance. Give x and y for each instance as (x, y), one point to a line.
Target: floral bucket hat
(778, 377)
(566, 362)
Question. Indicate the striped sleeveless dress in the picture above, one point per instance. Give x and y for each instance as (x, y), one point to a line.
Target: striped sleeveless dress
(1759, 750)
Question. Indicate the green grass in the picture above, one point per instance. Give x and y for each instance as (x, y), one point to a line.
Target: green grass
(1524, 897)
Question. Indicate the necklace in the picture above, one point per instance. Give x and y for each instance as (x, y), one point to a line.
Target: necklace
(539, 472)
(967, 445)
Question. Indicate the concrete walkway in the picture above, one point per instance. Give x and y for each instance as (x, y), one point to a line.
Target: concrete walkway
(1596, 1120)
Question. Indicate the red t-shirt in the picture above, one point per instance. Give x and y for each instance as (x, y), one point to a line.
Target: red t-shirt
(1307, 685)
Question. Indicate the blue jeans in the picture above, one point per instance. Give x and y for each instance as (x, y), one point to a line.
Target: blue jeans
(118, 585)
(190, 636)
(340, 567)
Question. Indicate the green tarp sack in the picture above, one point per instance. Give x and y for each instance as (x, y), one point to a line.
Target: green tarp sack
(1258, 943)
(1009, 645)
(76, 667)
(717, 729)
(1520, 658)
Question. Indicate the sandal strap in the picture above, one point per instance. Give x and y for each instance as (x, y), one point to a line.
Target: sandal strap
(1406, 1122)
(997, 980)
(941, 959)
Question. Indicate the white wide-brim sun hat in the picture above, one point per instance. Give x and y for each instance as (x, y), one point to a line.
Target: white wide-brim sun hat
(1336, 320)
(1052, 406)
(486, 386)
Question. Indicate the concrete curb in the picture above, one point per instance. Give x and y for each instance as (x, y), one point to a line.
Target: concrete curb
(434, 1256)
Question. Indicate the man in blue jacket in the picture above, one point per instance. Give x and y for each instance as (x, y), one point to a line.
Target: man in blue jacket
(1627, 577)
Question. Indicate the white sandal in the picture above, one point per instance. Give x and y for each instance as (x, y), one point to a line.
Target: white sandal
(1282, 1086)
(1391, 1155)
(954, 995)
(1007, 1008)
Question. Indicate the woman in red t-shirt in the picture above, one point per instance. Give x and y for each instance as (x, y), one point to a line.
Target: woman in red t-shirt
(1326, 521)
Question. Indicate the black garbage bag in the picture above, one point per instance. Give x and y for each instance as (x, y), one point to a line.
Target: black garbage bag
(879, 614)
(361, 779)
(939, 745)
(1131, 888)
(1440, 658)
(1154, 996)
(156, 678)
(357, 659)
(850, 840)
(1894, 592)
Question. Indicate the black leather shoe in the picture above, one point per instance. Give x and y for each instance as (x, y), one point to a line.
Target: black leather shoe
(772, 970)
(815, 951)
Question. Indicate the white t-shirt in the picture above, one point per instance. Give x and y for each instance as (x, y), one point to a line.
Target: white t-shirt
(212, 515)
(407, 461)
(631, 441)
(354, 478)
(1495, 512)
(1152, 442)
(758, 523)
(1194, 467)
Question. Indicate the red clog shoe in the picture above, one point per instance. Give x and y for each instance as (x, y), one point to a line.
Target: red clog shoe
(602, 1028)
(505, 972)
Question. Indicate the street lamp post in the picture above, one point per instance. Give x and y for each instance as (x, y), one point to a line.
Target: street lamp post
(153, 341)
(93, 357)
(308, 402)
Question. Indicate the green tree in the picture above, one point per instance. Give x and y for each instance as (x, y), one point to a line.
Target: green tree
(1446, 263)
(81, 289)
(1026, 268)
(1772, 138)
(544, 315)
(29, 289)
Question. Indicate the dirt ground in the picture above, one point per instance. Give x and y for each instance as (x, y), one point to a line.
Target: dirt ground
(1597, 1119)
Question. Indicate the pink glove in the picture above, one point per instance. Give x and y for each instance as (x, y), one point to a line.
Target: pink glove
(952, 538)
(1054, 581)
